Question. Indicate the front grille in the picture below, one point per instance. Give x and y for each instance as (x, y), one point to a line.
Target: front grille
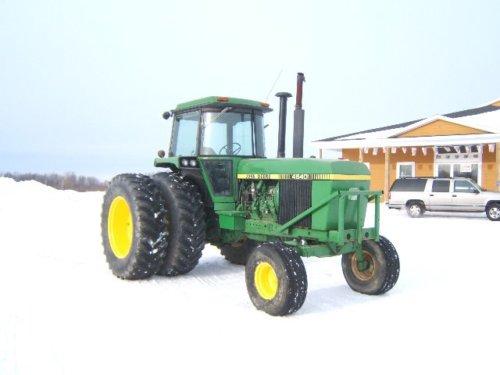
(295, 197)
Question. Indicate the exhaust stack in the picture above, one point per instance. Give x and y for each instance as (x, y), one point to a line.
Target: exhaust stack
(298, 120)
(282, 123)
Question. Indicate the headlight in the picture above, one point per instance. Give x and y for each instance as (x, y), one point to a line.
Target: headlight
(192, 163)
(184, 162)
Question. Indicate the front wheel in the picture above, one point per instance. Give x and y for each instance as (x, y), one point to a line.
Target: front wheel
(415, 209)
(276, 279)
(493, 212)
(379, 271)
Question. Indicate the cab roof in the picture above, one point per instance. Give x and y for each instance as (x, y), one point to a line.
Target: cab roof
(221, 102)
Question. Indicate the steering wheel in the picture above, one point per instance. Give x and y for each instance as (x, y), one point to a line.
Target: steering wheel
(236, 150)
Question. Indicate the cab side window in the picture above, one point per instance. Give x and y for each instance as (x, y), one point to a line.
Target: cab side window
(440, 186)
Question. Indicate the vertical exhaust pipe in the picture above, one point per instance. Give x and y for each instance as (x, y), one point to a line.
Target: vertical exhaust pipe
(282, 123)
(298, 120)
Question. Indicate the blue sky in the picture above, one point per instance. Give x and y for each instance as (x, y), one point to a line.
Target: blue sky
(83, 84)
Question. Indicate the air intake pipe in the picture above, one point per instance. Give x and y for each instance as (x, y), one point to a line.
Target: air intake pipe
(282, 123)
(298, 120)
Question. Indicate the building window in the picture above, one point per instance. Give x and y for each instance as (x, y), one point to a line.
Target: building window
(468, 170)
(444, 170)
(459, 161)
(405, 169)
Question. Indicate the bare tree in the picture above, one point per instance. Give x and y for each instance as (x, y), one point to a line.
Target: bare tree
(68, 181)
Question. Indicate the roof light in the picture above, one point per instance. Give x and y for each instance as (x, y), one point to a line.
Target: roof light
(264, 104)
(222, 99)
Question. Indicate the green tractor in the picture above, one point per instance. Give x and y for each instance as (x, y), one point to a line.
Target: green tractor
(219, 188)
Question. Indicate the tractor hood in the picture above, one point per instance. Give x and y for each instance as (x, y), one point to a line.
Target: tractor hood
(302, 169)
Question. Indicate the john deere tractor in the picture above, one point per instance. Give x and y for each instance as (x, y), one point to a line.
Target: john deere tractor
(218, 187)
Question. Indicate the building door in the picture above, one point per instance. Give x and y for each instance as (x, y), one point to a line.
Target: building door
(458, 161)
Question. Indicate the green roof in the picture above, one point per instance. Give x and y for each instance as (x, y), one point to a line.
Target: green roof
(223, 101)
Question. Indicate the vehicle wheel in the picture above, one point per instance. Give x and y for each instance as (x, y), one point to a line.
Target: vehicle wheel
(184, 221)
(276, 279)
(493, 211)
(415, 209)
(132, 239)
(380, 273)
(238, 252)
(212, 227)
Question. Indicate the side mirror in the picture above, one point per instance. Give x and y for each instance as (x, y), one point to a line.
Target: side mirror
(166, 115)
(476, 191)
(161, 153)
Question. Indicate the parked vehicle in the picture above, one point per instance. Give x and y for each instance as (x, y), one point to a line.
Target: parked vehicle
(420, 194)
(217, 187)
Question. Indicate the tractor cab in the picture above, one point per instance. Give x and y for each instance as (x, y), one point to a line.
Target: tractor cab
(218, 126)
(209, 137)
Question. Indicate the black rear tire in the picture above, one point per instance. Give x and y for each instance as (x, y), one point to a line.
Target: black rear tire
(144, 256)
(238, 252)
(382, 272)
(184, 220)
(289, 274)
(493, 211)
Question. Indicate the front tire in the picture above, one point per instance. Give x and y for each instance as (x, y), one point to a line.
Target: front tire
(276, 279)
(132, 239)
(493, 211)
(415, 209)
(381, 272)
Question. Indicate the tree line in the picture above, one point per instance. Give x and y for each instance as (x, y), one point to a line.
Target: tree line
(67, 181)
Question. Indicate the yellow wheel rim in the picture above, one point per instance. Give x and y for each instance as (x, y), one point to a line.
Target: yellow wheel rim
(120, 227)
(266, 280)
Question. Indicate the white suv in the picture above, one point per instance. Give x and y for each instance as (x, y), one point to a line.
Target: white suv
(420, 194)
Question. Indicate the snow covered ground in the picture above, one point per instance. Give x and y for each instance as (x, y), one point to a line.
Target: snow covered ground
(63, 312)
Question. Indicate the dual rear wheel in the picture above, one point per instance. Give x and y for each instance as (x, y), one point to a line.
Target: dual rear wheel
(152, 225)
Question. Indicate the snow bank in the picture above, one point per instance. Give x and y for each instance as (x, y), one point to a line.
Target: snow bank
(63, 312)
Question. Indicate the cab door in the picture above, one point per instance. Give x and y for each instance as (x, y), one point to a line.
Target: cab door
(440, 195)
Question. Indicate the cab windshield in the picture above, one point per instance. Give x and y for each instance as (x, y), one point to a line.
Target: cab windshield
(231, 132)
(218, 132)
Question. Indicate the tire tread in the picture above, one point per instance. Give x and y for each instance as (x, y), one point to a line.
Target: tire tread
(184, 216)
(148, 256)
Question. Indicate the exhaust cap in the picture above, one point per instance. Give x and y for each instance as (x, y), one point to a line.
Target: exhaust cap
(282, 122)
(298, 120)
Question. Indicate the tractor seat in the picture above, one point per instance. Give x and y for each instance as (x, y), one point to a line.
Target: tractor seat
(207, 151)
